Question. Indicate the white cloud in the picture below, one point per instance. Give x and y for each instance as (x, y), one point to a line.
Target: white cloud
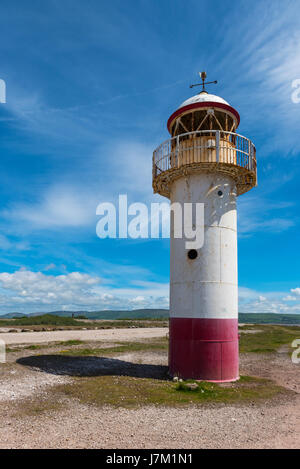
(29, 291)
(57, 208)
(247, 293)
(289, 298)
(139, 300)
(252, 301)
(295, 290)
(50, 267)
(125, 168)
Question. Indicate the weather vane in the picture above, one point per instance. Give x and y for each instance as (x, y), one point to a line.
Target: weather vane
(203, 76)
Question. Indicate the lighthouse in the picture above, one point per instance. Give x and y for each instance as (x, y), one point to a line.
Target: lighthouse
(207, 162)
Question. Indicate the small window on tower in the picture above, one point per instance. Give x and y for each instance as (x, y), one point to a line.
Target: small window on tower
(192, 254)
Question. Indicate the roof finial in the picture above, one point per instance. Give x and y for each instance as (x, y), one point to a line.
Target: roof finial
(203, 77)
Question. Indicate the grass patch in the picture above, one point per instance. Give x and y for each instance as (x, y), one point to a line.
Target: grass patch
(68, 343)
(71, 342)
(124, 391)
(121, 347)
(33, 347)
(131, 323)
(159, 344)
(269, 339)
(28, 347)
(36, 406)
(44, 319)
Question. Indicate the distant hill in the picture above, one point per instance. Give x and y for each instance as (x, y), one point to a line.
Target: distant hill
(257, 318)
(12, 315)
(45, 319)
(269, 318)
(118, 314)
(133, 314)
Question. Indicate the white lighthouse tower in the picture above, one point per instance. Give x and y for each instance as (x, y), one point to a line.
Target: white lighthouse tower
(205, 161)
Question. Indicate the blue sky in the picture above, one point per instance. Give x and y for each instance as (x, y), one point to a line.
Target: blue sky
(90, 86)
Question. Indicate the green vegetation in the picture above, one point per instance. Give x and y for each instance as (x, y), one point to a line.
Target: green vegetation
(131, 391)
(45, 319)
(33, 347)
(71, 342)
(62, 321)
(160, 344)
(31, 407)
(269, 318)
(269, 339)
(27, 347)
(162, 314)
(129, 314)
(131, 323)
(125, 391)
(44, 346)
(261, 339)
(78, 349)
(109, 315)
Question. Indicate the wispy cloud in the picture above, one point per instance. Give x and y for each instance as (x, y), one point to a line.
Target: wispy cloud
(264, 58)
(122, 168)
(60, 207)
(13, 245)
(260, 214)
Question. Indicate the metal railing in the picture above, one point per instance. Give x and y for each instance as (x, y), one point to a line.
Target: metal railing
(204, 146)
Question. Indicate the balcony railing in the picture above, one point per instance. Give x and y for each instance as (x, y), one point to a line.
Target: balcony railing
(205, 146)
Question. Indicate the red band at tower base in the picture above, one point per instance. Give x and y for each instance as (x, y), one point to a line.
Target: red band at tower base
(204, 349)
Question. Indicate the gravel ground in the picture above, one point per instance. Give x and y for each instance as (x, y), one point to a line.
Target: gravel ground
(274, 424)
(27, 386)
(90, 335)
(79, 426)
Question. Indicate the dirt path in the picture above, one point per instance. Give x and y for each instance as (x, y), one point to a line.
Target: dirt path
(90, 335)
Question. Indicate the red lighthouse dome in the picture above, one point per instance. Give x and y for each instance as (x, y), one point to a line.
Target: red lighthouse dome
(203, 111)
